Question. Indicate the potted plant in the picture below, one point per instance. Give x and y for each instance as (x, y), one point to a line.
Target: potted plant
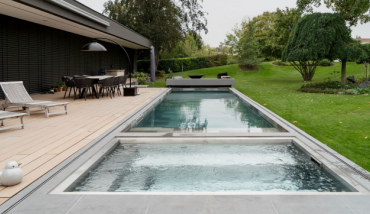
(60, 86)
(64, 86)
(54, 87)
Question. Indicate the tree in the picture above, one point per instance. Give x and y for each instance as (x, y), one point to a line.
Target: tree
(315, 37)
(264, 32)
(351, 51)
(283, 26)
(352, 11)
(164, 22)
(248, 49)
(232, 40)
(272, 30)
(190, 47)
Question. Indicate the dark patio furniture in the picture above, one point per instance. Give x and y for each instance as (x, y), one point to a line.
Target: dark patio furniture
(196, 76)
(64, 78)
(84, 85)
(116, 85)
(69, 84)
(221, 74)
(107, 85)
(123, 80)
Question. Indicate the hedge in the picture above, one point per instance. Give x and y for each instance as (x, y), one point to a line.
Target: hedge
(189, 63)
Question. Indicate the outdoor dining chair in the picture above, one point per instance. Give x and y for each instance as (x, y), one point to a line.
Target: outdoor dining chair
(84, 85)
(122, 81)
(107, 85)
(116, 85)
(71, 85)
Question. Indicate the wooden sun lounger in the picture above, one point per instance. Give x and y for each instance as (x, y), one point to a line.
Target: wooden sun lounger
(5, 115)
(17, 95)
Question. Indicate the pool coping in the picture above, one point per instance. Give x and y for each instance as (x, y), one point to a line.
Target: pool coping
(41, 187)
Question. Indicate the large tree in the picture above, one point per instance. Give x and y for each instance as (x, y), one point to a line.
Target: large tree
(283, 26)
(353, 11)
(272, 30)
(164, 22)
(315, 37)
(248, 49)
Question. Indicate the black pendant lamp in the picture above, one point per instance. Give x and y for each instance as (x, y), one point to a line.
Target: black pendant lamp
(95, 46)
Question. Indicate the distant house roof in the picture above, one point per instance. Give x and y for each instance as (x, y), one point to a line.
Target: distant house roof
(363, 41)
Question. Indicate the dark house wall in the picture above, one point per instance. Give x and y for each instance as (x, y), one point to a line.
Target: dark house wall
(39, 55)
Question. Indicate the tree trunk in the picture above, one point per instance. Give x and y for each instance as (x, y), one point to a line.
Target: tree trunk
(367, 71)
(344, 70)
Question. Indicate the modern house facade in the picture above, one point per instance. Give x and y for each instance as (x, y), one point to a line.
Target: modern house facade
(40, 41)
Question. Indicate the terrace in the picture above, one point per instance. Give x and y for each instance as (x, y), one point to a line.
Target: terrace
(197, 146)
(45, 143)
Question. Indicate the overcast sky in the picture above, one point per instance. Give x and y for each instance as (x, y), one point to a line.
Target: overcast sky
(224, 14)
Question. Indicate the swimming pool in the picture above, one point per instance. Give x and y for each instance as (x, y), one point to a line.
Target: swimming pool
(224, 166)
(203, 112)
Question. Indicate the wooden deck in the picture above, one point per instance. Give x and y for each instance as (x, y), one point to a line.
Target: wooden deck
(46, 142)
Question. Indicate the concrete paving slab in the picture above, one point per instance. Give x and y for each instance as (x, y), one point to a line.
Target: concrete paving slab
(359, 204)
(241, 204)
(179, 205)
(111, 204)
(46, 204)
(313, 204)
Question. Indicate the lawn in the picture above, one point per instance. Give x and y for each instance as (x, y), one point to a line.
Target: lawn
(340, 121)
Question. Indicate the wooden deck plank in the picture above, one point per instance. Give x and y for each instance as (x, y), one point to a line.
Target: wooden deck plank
(46, 142)
(36, 163)
(3, 200)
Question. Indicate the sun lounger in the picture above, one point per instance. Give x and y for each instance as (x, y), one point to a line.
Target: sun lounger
(17, 95)
(5, 115)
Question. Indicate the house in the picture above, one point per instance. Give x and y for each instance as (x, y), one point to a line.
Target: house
(363, 41)
(40, 42)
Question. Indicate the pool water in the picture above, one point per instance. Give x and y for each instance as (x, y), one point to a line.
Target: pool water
(205, 112)
(208, 167)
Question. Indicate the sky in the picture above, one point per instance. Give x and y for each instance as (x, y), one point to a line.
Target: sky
(224, 14)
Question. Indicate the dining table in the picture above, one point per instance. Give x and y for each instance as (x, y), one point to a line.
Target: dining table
(96, 80)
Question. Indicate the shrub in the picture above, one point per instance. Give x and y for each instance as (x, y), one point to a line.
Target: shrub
(325, 62)
(352, 91)
(360, 80)
(232, 61)
(170, 74)
(177, 65)
(160, 74)
(341, 91)
(328, 84)
(141, 77)
(280, 63)
(363, 90)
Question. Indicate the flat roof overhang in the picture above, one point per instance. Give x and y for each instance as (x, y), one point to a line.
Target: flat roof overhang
(73, 17)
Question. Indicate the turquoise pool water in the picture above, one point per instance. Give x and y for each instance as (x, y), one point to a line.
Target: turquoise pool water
(208, 167)
(205, 112)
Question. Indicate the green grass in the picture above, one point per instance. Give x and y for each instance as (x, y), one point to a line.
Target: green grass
(340, 121)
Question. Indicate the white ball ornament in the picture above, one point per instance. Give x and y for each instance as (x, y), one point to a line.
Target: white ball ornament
(11, 175)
